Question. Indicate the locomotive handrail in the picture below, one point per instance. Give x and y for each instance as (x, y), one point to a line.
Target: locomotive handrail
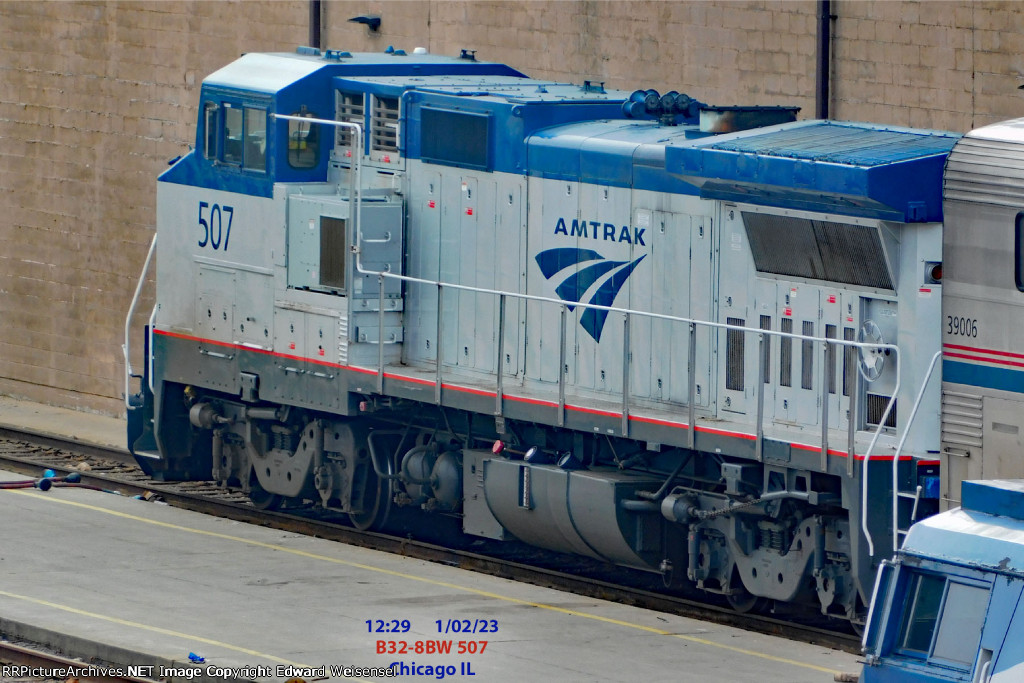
(867, 460)
(126, 347)
(357, 163)
(899, 449)
(693, 322)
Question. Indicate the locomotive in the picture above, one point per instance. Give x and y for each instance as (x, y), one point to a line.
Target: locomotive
(694, 340)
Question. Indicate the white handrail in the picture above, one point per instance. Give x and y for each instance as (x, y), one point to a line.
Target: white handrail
(356, 178)
(126, 347)
(899, 449)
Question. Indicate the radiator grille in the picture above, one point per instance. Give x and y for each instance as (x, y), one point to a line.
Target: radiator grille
(819, 250)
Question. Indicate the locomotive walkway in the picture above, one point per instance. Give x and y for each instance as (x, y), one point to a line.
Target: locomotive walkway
(135, 583)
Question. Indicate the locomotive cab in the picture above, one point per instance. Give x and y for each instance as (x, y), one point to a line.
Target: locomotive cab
(948, 607)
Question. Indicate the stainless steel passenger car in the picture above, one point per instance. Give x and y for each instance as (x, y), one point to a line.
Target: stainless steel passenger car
(983, 309)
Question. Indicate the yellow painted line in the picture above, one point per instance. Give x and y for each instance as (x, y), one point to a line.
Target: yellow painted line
(148, 627)
(434, 582)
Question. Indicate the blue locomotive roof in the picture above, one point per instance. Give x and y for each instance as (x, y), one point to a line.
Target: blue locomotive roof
(840, 167)
(272, 72)
(1001, 497)
(619, 153)
(987, 532)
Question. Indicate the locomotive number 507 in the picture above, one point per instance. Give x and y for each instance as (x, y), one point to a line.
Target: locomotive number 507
(212, 220)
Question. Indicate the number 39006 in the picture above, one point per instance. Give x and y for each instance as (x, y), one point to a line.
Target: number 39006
(964, 327)
(215, 224)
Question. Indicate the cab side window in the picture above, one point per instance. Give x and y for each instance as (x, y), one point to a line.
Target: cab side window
(303, 141)
(232, 150)
(212, 124)
(254, 152)
(236, 135)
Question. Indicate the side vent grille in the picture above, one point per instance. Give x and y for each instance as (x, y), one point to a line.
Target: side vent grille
(350, 110)
(962, 423)
(343, 340)
(849, 361)
(766, 324)
(734, 343)
(807, 357)
(876, 408)
(786, 354)
(384, 129)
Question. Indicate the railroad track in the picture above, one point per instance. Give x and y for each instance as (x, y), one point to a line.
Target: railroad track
(115, 470)
(28, 664)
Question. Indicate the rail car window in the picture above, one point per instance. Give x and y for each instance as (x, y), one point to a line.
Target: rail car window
(1018, 251)
(211, 121)
(925, 597)
(456, 138)
(942, 620)
(303, 141)
(243, 136)
(818, 250)
(254, 153)
(232, 150)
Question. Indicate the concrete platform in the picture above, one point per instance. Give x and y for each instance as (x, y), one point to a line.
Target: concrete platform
(146, 584)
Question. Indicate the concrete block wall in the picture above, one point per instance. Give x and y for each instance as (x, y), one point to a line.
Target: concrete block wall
(96, 97)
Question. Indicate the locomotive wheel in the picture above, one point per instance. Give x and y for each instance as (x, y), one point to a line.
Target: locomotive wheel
(261, 498)
(377, 504)
(744, 602)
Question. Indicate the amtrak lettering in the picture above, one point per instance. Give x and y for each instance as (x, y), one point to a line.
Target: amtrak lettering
(605, 231)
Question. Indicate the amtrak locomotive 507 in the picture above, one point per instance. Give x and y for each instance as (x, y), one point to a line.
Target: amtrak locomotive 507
(698, 341)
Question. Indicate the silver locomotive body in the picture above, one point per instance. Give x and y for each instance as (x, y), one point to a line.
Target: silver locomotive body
(571, 316)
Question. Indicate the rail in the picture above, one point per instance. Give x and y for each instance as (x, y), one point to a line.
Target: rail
(896, 493)
(693, 325)
(126, 347)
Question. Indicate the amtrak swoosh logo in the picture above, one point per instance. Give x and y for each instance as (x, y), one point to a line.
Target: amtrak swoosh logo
(593, 267)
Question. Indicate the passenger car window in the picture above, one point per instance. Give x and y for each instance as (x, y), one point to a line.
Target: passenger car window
(254, 154)
(925, 597)
(942, 620)
(211, 120)
(960, 626)
(232, 150)
(1018, 251)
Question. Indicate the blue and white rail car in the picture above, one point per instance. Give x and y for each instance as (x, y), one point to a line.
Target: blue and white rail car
(949, 606)
(983, 309)
(573, 316)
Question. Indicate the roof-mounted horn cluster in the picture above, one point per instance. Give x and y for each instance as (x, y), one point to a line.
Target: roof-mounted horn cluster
(670, 109)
